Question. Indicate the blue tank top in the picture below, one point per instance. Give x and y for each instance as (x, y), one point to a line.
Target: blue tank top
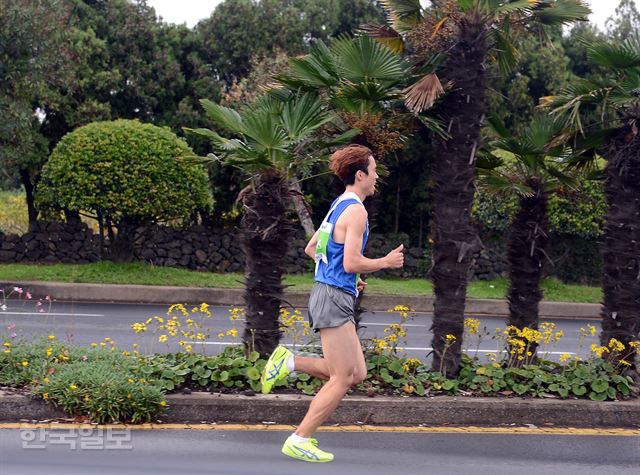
(333, 273)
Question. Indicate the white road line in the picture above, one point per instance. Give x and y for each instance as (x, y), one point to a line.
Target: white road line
(410, 348)
(47, 314)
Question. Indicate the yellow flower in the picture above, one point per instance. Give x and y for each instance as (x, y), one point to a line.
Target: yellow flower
(599, 350)
(130, 380)
(45, 395)
(93, 345)
(139, 327)
(221, 335)
(162, 338)
(616, 345)
(233, 332)
(25, 363)
(49, 351)
(73, 386)
(103, 344)
(188, 348)
(564, 357)
(45, 380)
(625, 363)
(204, 307)
(451, 337)
(106, 338)
(7, 344)
(472, 324)
(592, 329)
(159, 319)
(51, 337)
(163, 403)
(7, 351)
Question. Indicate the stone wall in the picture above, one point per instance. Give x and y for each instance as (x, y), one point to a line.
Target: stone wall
(51, 242)
(218, 250)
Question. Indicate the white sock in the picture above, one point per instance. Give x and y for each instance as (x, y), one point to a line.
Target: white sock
(290, 364)
(297, 439)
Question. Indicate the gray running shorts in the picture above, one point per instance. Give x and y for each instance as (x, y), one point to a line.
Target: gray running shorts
(330, 307)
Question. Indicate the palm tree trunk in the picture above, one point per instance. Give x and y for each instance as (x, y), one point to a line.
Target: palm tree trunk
(455, 240)
(302, 209)
(621, 249)
(265, 239)
(526, 253)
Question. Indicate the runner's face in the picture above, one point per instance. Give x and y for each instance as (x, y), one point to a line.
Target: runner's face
(369, 181)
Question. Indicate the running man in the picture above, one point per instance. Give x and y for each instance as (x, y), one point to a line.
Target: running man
(337, 249)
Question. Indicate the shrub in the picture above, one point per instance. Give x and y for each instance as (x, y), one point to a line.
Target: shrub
(124, 173)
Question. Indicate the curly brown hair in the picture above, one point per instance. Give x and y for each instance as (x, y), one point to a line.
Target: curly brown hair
(346, 161)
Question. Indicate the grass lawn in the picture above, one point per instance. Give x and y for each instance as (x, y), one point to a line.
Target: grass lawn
(144, 274)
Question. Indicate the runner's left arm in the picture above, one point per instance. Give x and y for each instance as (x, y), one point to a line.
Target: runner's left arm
(310, 250)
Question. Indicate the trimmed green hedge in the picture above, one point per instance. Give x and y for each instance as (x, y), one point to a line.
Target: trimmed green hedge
(123, 168)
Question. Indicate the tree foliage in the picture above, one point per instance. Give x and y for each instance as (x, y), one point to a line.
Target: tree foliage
(123, 173)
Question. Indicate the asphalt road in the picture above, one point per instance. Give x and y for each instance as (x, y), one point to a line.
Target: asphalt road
(84, 323)
(370, 453)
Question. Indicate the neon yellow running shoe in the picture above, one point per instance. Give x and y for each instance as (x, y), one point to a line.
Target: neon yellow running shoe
(307, 451)
(275, 369)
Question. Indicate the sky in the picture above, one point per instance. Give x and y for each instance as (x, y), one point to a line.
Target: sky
(192, 11)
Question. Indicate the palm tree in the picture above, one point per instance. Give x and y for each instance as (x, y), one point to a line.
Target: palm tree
(452, 43)
(615, 136)
(532, 171)
(265, 143)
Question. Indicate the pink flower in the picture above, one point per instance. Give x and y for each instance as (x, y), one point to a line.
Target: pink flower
(28, 295)
(11, 326)
(39, 303)
(47, 298)
(41, 310)
(14, 334)
(18, 289)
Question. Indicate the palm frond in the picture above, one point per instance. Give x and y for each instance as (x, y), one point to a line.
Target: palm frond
(364, 58)
(384, 34)
(224, 117)
(403, 14)
(372, 92)
(507, 55)
(513, 6)
(615, 55)
(487, 161)
(560, 12)
(217, 141)
(423, 94)
(503, 183)
(266, 133)
(302, 115)
(434, 125)
(498, 127)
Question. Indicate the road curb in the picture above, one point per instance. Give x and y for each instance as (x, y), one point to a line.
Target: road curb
(76, 292)
(435, 411)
